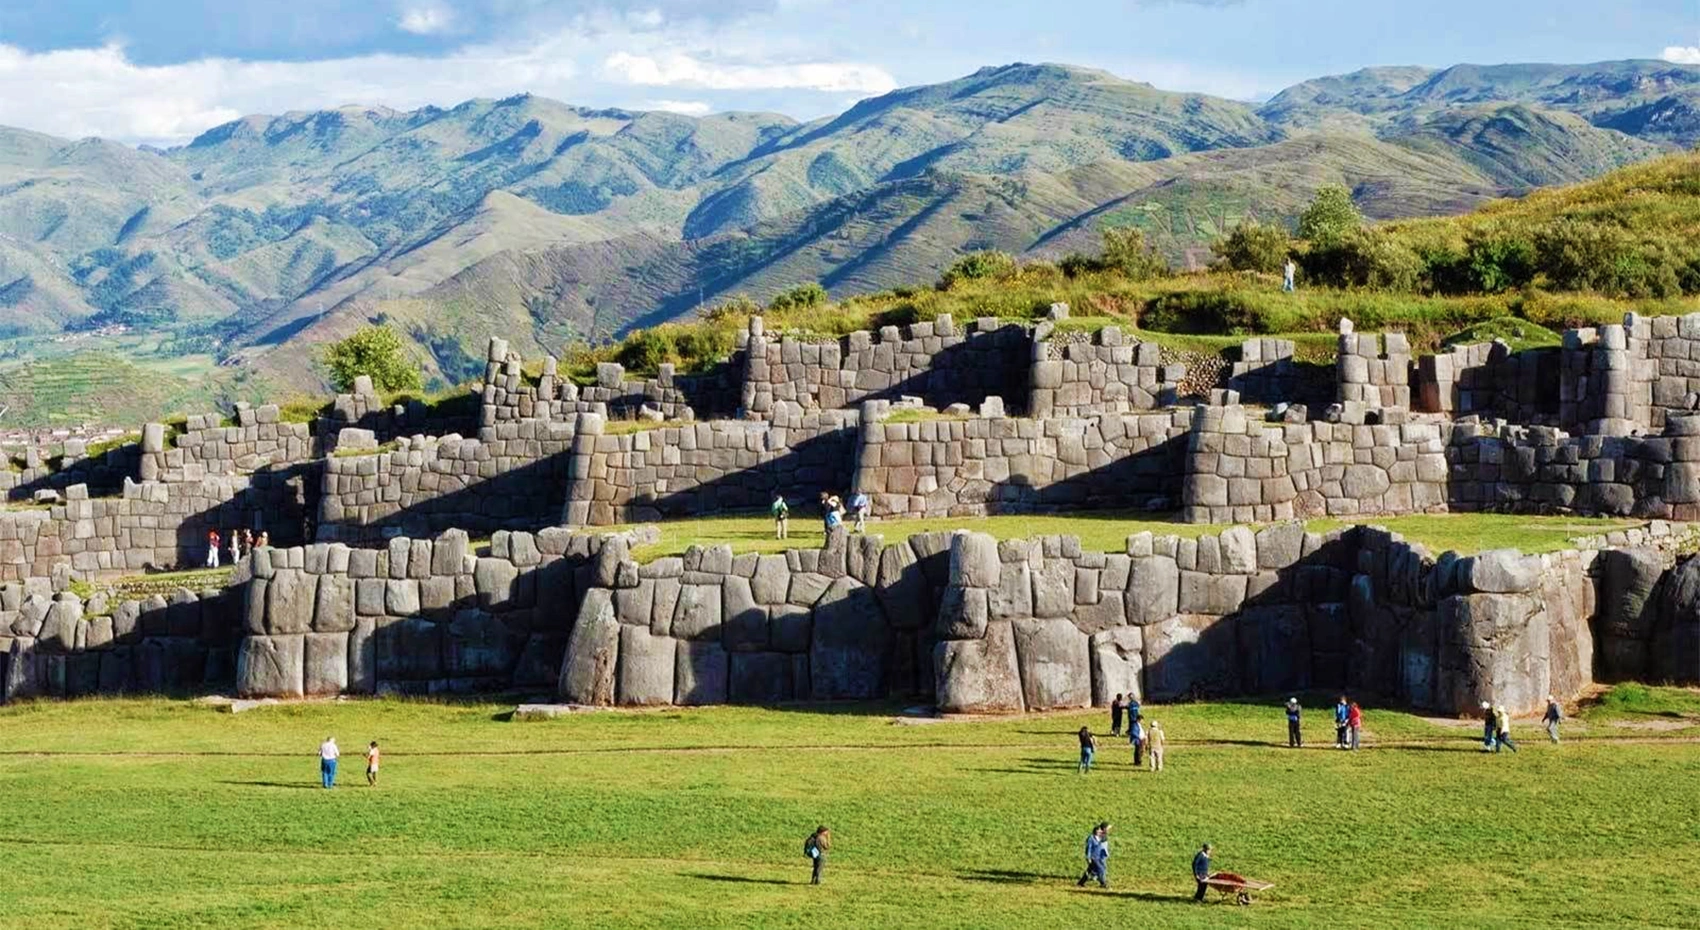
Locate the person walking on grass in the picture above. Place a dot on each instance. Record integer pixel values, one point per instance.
(1295, 740)
(1097, 857)
(1553, 715)
(1490, 727)
(1136, 736)
(1287, 272)
(815, 847)
(1342, 710)
(1116, 708)
(781, 517)
(372, 765)
(1355, 724)
(1502, 729)
(859, 507)
(212, 548)
(1154, 746)
(328, 754)
(1088, 747)
(1201, 871)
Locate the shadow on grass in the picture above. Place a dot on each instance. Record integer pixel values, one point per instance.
(1153, 897)
(275, 784)
(1007, 877)
(740, 879)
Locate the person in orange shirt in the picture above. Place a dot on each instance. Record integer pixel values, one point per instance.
(372, 765)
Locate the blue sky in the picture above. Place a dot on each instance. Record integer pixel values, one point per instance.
(162, 70)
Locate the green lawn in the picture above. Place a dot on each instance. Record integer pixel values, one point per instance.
(1108, 531)
(139, 813)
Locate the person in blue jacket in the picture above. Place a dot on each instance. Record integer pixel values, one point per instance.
(1342, 710)
(1097, 857)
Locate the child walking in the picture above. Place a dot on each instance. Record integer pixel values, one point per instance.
(372, 765)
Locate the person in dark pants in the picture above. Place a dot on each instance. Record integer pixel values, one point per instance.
(1136, 736)
(816, 847)
(1097, 857)
(1295, 739)
(1489, 729)
(1116, 707)
(1201, 871)
(1341, 709)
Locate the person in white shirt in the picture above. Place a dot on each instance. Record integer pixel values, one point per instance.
(328, 754)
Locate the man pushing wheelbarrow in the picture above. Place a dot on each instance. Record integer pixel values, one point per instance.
(1227, 883)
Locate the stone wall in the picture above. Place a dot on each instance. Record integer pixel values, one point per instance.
(58, 646)
(1370, 376)
(708, 467)
(668, 395)
(56, 467)
(1488, 379)
(206, 448)
(935, 361)
(1108, 373)
(981, 465)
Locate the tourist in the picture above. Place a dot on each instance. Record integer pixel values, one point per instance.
(1201, 870)
(1116, 707)
(212, 548)
(1131, 708)
(1295, 740)
(1355, 723)
(1287, 272)
(1341, 711)
(859, 507)
(816, 847)
(1097, 857)
(1502, 729)
(328, 755)
(781, 517)
(1154, 746)
(248, 541)
(372, 765)
(235, 547)
(1136, 736)
(264, 541)
(1088, 746)
(1553, 715)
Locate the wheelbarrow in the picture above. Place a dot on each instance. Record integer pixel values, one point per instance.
(1240, 887)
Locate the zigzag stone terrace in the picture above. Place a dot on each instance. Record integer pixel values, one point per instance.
(371, 583)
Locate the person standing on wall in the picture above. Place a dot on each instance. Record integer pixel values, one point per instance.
(1116, 708)
(1097, 857)
(212, 548)
(1355, 723)
(1154, 746)
(328, 754)
(1341, 711)
(1201, 871)
(815, 847)
(1553, 715)
(1295, 739)
(1088, 748)
(781, 516)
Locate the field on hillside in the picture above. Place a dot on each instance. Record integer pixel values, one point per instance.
(153, 813)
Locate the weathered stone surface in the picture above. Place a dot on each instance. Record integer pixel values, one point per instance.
(963, 613)
(851, 639)
(290, 597)
(59, 628)
(1280, 545)
(363, 657)
(1676, 645)
(974, 560)
(979, 676)
(807, 588)
(791, 628)
(1494, 647)
(1053, 589)
(1055, 664)
(1274, 649)
(902, 588)
(1628, 613)
(772, 580)
(1117, 661)
(448, 551)
(271, 666)
(1190, 655)
(700, 673)
(744, 623)
(697, 615)
(646, 667)
(1501, 571)
(760, 678)
(1153, 589)
(333, 610)
(1238, 548)
(588, 671)
(325, 670)
(494, 579)
(479, 645)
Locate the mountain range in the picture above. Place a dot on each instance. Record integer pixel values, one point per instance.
(544, 222)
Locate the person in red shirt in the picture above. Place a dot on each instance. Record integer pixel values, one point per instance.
(212, 548)
(1354, 723)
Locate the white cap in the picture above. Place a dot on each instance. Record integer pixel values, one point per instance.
(1486, 706)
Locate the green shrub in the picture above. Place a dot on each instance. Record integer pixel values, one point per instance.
(1075, 265)
(987, 264)
(801, 297)
(1499, 261)
(377, 352)
(1331, 217)
(1364, 258)
(1254, 247)
(646, 350)
(1125, 251)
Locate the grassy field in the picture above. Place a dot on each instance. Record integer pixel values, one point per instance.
(151, 813)
(1108, 531)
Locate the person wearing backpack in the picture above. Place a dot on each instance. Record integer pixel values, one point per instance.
(816, 847)
(781, 517)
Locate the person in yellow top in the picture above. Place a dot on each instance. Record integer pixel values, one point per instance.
(1154, 746)
(372, 765)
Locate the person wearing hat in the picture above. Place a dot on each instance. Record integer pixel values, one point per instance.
(1097, 856)
(1490, 728)
(1294, 739)
(1154, 746)
(1553, 715)
(1201, 871)
(1502, 729)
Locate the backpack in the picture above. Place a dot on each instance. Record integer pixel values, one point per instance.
(811, 849)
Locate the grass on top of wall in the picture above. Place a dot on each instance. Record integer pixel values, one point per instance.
(1107, 531)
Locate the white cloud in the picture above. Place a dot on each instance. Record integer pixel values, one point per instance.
(1682, 55)
(685, 107)
(686, 71)
(425, 20)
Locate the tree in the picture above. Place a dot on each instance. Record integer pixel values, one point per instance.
(376, 352)
(976, 266)
(1254, 247)
(1330, 217)
(1125, 251)
(801, 297)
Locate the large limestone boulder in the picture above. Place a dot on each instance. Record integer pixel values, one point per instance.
(1676, 646)
(480, 646)
(700, 673)
(979, 676)
(325, 669)
(851, 640)
(1153, 589)
(760, 678)
(1191, 655)
(1055, 664)
(903, 590)
(1274, 648)
(1117, 661)
(290, 597)
(409, 650)
(1493, 647)
(333, 611)
(646, 670)
(593, 649)
(271, 666)
(1627, 612)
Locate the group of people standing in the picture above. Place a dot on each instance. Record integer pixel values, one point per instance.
(1146, 739)
(834, 512)
(329, 754)
(240, 542)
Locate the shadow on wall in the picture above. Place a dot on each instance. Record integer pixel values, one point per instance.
(527, 497)
(1149, 480)
(281, 501)
(104, 474)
